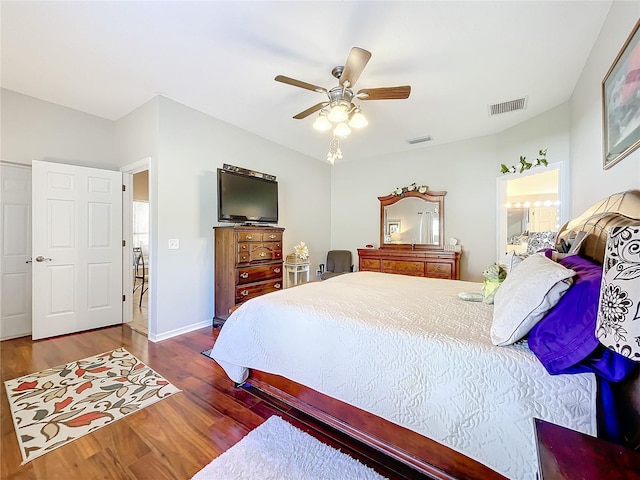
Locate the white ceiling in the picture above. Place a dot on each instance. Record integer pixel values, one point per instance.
(108, 58)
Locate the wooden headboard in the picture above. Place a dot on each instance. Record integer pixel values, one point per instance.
(619, 209)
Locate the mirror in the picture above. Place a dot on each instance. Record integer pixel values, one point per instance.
(412, 221)
(528, 204)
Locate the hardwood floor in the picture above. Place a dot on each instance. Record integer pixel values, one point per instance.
(172, 439)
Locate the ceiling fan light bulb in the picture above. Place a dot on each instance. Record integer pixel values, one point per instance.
(322, 123)
(338, 113)
(342, 130)
(358, 120)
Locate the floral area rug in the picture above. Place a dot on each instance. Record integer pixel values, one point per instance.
(56, 406)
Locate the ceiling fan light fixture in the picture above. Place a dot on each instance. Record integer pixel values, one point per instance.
(342, 130)
(338, 113)
(358, 120)
(335, 153)
(322, 123)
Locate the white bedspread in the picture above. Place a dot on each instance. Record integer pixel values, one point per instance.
(409, 350)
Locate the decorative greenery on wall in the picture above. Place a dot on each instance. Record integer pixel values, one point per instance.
(524, 165)
(400, 191)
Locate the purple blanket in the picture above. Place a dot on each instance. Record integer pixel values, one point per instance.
(565, 341)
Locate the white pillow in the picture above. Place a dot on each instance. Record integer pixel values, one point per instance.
(525, 296)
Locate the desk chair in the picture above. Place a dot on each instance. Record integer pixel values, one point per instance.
(140, 273)
(338, 262)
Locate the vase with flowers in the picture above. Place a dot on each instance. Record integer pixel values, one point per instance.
(300, 254)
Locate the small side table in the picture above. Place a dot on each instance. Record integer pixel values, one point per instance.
(296, 273)
(565, 454)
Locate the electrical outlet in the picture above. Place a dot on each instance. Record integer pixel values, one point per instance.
(174, 244)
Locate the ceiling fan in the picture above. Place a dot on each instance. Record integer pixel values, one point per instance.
(341, 96)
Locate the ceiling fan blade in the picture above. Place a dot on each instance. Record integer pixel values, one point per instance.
(384, 93)
(309, 111)
(301, 84)
(357, 60)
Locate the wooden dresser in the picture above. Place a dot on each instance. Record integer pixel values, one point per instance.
(419, 263)
(248, 263)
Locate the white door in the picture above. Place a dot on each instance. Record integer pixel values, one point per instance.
(77, 248)
(544, 219)
(15, 248)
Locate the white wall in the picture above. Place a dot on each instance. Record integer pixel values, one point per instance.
(325, 207)
(192, 146)
(186, 147)
(36, 130)
(137, 133)
(549, 130)
(137, 138)
(465, 170)
(590, 182)
(572, 132)
(468, 171)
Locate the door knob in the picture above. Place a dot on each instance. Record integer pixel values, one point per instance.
(40, 258)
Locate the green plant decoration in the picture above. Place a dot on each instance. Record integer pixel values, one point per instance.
(524, 165)
(400, 191)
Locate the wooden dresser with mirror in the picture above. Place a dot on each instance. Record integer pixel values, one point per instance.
(411, 238)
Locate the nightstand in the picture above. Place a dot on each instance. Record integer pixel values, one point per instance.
(296, 273)
(564, 454)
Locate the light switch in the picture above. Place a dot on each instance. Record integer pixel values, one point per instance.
(174, 244)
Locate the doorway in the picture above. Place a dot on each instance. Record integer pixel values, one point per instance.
(138, 237)
(140, 227)
(528, 203)
(15, 250)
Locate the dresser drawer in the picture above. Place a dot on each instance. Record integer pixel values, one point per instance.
(439, 270)
(419, 263)
(265, 251)
(259, 252)
(370, 264)
(272, 237)
(259, 236)
(403, 267)
(258, 274)
(246, 292)
(249, 236)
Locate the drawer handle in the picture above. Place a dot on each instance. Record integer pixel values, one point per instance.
(276, 270)
(249, 237)
(244, 293)
(244, 275)
(262, 254)
(277, 285)
(272, 236)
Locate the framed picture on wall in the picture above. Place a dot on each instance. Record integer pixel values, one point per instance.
(621, 102)
(394, 226)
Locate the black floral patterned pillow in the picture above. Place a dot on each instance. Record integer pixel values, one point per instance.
(540, 240)
(618, 323)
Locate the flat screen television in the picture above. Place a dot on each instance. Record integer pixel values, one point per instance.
(246, 198)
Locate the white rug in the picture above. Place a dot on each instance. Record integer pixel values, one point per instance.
(276, 450)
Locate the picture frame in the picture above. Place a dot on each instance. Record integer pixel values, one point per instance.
(621, 102)
(394, 226)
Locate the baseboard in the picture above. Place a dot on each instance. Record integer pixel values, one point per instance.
(179, 331)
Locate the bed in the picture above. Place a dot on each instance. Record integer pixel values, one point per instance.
(405, 365)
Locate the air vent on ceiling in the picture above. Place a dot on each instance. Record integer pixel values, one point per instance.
(426, 138)
(510, 106)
